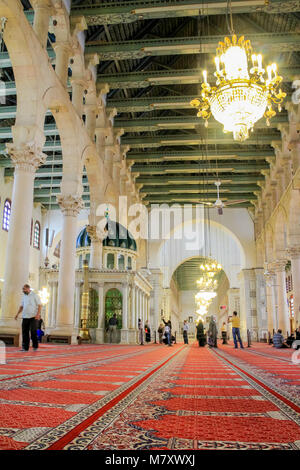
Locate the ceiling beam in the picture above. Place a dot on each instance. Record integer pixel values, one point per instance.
(196, 139)
(172, 77)
(122, 50)
(200, 167)
(138, 10)
(237, 178)
(157, 156)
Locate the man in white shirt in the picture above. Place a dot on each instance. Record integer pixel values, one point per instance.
(185, 332)
(30, 307)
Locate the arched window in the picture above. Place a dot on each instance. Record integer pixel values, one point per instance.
(6, 214)
(36, 235)
(121, 262)
(129, 263)
(110, 261)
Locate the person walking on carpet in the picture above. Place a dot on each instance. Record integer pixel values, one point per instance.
(200, 334)
(235, 323)
(141, 332)
(30, 307)
(185, 332)
(212, 333)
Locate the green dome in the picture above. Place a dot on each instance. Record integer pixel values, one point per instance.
(118, 236)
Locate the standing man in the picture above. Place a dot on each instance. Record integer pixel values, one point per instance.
(141, 332)
(112, 328)
(30, 307)
(235, 323)
(224, 333)
(185, 332)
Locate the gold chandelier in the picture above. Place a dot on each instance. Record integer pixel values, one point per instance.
(241, 97)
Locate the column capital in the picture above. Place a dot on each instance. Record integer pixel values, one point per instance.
(28, 157)
(94, 234)
(70, 204)
(293, 252)
(278, 265)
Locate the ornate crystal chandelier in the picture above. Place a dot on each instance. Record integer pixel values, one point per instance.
(241, 96)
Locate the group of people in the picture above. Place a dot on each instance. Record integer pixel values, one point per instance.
(280, 342)
(165, 333)
(212, 334)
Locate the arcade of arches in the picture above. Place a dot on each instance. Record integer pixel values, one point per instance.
(74, 146)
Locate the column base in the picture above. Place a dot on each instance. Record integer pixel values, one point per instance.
(100, 336)
(10, 326)
(132, 336)
(64, 331)
(124, 336)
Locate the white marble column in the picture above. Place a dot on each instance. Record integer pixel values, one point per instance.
(283, 312)
(49, 316)
(70, 206)
(124, 331)
(294, 255)
(271, 302)
(77, 306)
(133, 307)
(54, 306)
(26, 160)
(101, 313)
(96, 248)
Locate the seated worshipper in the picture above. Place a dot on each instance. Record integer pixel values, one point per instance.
(278, 340)
(290, 340)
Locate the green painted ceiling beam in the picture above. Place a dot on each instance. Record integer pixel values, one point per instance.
(202, 196)
(9, 112)
(194, 179)
(49, 129)
(194, 139)
(240, 154)
(43, 172)
(200, 167)
(129, 11)
(183, 122)
(137, 49)
(41, 182)
(47, 191)
(192, 188)
(48, 147)
(170, 77)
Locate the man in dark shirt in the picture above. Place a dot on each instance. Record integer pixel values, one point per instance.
(112, 328)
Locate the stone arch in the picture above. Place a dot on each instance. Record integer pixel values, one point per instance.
(26, 68)
(293, 222)
(71, 143)
(225, 248)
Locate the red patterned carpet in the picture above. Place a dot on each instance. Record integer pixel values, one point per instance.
(151, 397)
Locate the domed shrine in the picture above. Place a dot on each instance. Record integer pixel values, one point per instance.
(116, 286)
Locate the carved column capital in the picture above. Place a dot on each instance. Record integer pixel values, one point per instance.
(28, 157)
(278, 265)
(293, 252)
(70, 204)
